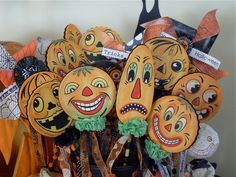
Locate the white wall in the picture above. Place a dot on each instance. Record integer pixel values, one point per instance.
(23, 21)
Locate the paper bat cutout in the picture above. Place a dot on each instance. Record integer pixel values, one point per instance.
(147, 16)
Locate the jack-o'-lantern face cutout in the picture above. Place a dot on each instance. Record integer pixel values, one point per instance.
(173, 124)
(63, 56)
(44, 111)
(87, 92)
(171, 62)
(136, 88)
(203, 92)
(92, 42)
(30, 84)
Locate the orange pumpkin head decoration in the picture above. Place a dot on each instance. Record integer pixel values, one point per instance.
(203, 92)
(92, 42)
(44, 111)
(136, 88)
(30, 84)
(63, 56)
(171, 61)
(87, 92)
(173, 124)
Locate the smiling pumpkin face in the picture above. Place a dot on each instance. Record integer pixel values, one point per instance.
(30, 84)
(136, 88)
(63, 56)
(87, 92)
(171, 62)
(203, 92)
(173, 124)
(92, 42)
(44, 111)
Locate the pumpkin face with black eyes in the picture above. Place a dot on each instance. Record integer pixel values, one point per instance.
(92, 42)
(44, 110)
(30, 84)
(203, 92)
(87, 92)
(172, 124)
(63, 56)
(171, 62)
(136, 88)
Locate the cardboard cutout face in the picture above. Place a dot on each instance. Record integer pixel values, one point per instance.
(63, 56)
(173, 124)
(87, 92)
(171, 61)
(44, 111)
(136, 88)
(30, 84)
(206, 144)
(92, 42)
(203, 92)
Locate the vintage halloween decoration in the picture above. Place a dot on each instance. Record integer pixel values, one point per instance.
(87, 92)
(172, 124)
(206, 144)
(62, 57)
(203, 92)
(136, 88)
(92, 42)
(171, 62)
(44, 111)
(30, 84)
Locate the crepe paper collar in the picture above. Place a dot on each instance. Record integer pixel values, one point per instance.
(154, 150)
(91, 124)
(135, 127)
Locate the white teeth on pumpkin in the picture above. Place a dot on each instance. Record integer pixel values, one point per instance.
(164, 140)
(90, 106)
(204, 111)
(200, 116)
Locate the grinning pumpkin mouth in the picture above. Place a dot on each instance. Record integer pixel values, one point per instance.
(163, 140)
(92, 56)
(160, 83)
(133, 107)
(202, 113)
(90, 107)
(61, 72)
(55, 123)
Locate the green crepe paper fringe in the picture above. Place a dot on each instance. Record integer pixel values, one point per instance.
(154, 151)
(91, 124)
(135, 127)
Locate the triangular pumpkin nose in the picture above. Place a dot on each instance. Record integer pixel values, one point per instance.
(196, 101)
(71, 67)
(136, 93)
(87, 91)
(162, 69)
(168, 127)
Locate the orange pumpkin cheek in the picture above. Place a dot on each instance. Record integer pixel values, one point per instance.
(173, 124)
(44, 111)
(203, 92)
